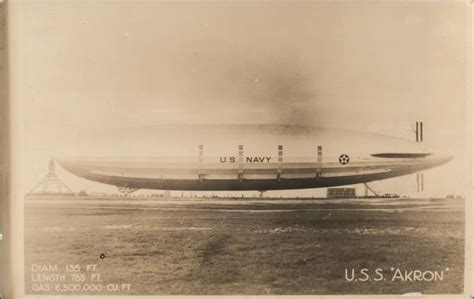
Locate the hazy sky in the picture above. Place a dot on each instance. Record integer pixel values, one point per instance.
(79, 66)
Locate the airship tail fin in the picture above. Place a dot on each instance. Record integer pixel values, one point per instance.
(419, 131)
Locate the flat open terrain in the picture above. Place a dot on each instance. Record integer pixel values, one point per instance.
(259, 246)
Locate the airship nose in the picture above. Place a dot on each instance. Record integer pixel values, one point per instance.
(61, 161)
(68, 164)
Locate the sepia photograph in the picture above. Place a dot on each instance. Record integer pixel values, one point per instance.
(237, 148)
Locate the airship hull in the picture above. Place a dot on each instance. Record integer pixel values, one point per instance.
(246, 157)
(271, 176)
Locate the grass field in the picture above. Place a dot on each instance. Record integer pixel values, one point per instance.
(196, 246)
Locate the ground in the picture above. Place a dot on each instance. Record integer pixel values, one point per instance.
(237, 246)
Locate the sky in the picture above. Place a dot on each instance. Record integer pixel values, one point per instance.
(82, 67)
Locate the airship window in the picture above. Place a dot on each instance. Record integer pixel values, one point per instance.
(401, 155)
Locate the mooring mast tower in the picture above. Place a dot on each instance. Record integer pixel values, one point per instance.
(51, 184)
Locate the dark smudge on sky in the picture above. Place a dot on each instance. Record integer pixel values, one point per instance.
(287, 94)
(258, 89)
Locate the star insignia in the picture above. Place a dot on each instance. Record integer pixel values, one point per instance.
(344, 159)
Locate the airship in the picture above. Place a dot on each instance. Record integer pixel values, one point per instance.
(249, 157)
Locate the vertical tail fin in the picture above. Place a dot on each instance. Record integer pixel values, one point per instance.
(419, 131)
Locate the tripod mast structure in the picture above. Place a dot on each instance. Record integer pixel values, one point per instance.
(51, 184)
